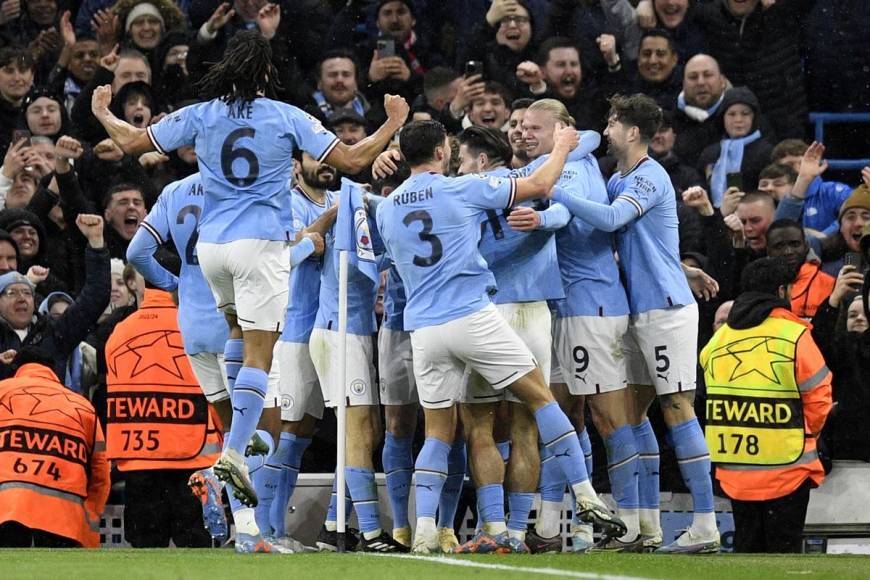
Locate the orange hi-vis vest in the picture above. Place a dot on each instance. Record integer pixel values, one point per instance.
(768, 395)
(157, 416)
(54, 475)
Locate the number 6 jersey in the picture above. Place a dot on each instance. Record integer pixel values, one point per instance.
(431, 227)
(244, 151)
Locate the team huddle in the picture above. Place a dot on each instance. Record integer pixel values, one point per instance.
(505, 303)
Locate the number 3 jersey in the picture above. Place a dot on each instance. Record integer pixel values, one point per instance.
(244, 151)
(431, 227)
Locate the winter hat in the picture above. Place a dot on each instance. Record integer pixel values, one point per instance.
(860, 197)
(143, 9)
(10, 278)
(742, 96)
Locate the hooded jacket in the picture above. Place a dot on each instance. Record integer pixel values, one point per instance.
(756, 155)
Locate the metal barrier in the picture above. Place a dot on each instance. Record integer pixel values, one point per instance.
(819, 120)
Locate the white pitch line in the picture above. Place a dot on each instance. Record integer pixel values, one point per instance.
(506, 568)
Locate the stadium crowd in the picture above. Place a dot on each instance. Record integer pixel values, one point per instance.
(734, 80)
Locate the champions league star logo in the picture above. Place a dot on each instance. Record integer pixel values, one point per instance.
(364, 249)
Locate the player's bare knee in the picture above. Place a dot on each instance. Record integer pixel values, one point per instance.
(400, 420)
(677, 407)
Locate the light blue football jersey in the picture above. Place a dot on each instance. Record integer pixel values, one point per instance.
(176, 215)
(524, 263)
(362, 293)
(649, 246)
(590, 276)
(244, 151)
(304, 297)
(431, 227)
(394, 301)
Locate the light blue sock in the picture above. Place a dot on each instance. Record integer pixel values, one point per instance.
(558, 435)
(332, 512)
(430, 472)
(693, 457)
(234, 354)
(456, 463)
(552, 482)
(504, 449)
(361, 482)
(249, 394)
(586, 446)
(398, 462)
(648, 474)
(278, 513)
(622, 466)
(266, 483)
(490, 501)
(519, 506)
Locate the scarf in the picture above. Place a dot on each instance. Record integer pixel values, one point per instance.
(730, 160)
(696, 113)
(358, 104)
(416, 66)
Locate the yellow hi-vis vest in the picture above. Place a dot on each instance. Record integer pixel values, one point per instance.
(754, 407)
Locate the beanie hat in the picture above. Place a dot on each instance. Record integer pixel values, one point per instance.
(143, 9)
(860, 197)
(11, 278)
(407, 3)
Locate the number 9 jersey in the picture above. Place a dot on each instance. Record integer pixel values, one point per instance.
(431, 227)
(244, 151)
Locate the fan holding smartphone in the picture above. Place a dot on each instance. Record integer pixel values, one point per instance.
(387, 64)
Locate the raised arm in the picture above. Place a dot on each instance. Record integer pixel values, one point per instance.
(132, 140)
(355, 158)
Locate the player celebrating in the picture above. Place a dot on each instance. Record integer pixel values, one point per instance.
(430, 225)
(590, 320)
(244, 141)
(298, 388)
(662, 339)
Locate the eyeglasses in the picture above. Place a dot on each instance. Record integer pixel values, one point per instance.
(515, 19)
(17, 293)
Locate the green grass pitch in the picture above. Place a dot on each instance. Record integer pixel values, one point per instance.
(224, 564)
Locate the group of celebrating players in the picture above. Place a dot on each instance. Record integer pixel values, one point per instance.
(504, 304)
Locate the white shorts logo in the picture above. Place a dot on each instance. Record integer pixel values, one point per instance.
(358, 387)
(286, 402)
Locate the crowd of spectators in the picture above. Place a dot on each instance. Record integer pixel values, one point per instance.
(735, 78)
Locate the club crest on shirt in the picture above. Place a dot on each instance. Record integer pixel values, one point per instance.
(358, 387)
(363, 236)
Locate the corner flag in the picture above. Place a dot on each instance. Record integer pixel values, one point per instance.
(352, 230)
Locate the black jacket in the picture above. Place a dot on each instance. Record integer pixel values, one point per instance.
(762, 51)
(60, 336)
(846, 434)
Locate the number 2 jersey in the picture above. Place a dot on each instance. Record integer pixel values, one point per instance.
(244, 151)
(431, 227)
(176, 216)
